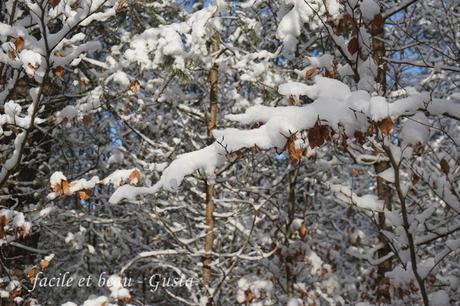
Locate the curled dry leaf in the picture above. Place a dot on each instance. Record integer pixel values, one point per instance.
(385, 126)
(63, 187)
(444, 166)
(353, 45)
(87, 119)
(332, 73)
(58, 71)
(318, 135)
(310, 72)
(360, 137)
(248, 296)
(295, 153)
(134, 86)
(54, 3)
(303, 231)
(356, 172)
(322, 272)
(121, 4)
(376, 26)
(23, 231)
(44, 264)
(19, 43)
(83, 194)
(414, 179)
(134, 177)
(32, 274)
(58, 53)
(15, 292)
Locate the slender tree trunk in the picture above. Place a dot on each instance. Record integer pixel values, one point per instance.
(289, 263)
(383, 190)
(209, 187)
(406, 224)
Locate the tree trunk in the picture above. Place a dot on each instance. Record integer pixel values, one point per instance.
(383, 190)
(209, 187)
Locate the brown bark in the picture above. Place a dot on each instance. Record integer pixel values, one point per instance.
(211, 124)
(383, 190)
(290, 277)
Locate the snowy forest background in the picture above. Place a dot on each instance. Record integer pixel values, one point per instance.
(275, 152)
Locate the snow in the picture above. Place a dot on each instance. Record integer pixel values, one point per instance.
(415, 129)
(74, 186)
(260, 288)
(334, 103)
(453, 244)
(31, 61)
(12, 109)
(368, 201)
(289, 30)
(333, 7)
(69, 238)
(83, 184)
(379, 108)
(114, 283)
(369, 8)
(67, 113)
(19, 220)
(294, 89)
(323, 61)
(400, 277)
(120, 78)
(119, 177)
(439, 298)
(6, 214)
(393, 218)
(14, 159)
(99, 301)
(294, 302)
(56, 178)
(206, 160)
(388, 175)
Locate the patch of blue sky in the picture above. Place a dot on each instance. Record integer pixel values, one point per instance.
(113, 131)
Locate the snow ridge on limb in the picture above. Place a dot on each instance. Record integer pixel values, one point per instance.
(334, 104)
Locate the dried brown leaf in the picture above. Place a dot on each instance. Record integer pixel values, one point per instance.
(87, 119)
(135, 86)
(43, 264)
(303, 231)
(32, 274)
(353, 45)
(295, 153)
(360, 137)
(134, 177)
(58, 71)
(385, 126)
(376, 26)
(54, 3)
(356, 172)
(318, 135)
(19, 43)
(248, 296)
(65, 186)
(83, 194)
(309, 73)
(444, 166)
